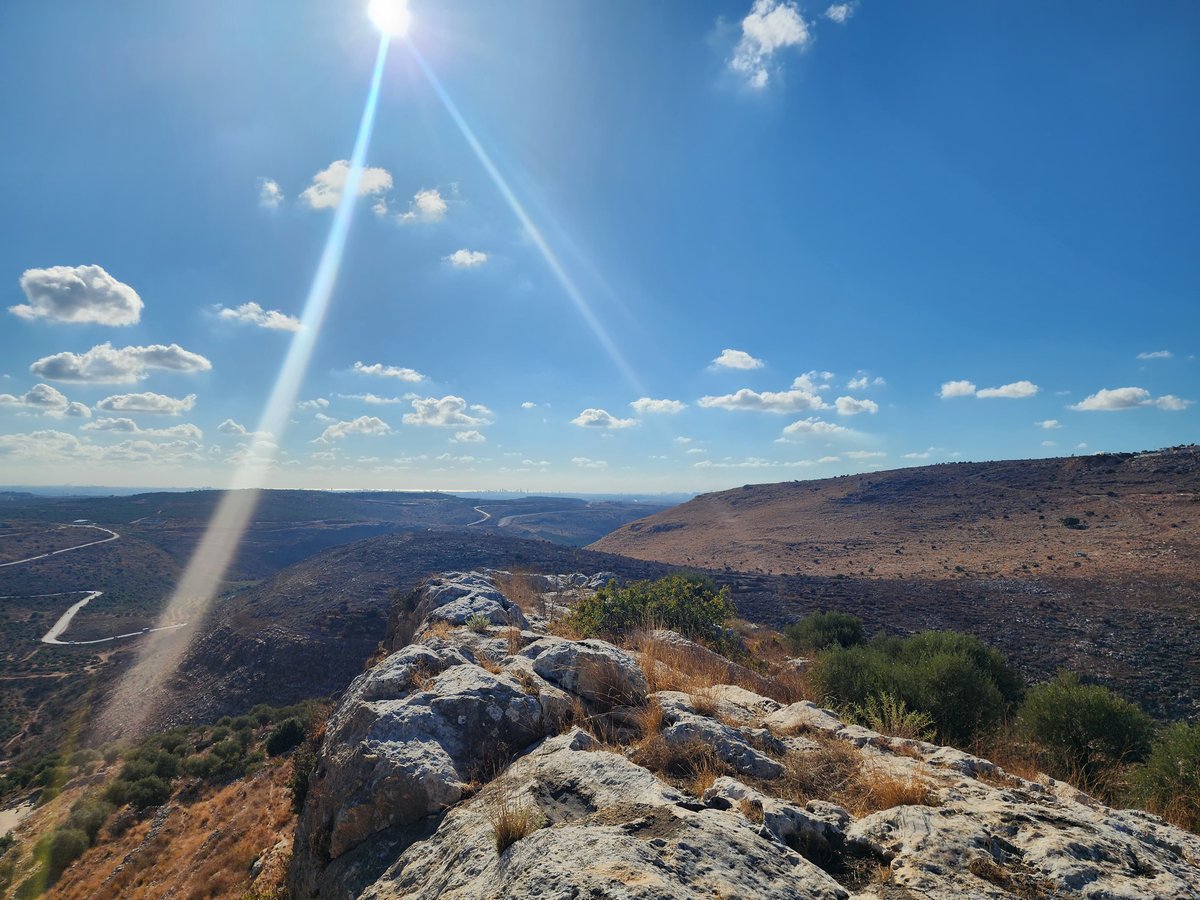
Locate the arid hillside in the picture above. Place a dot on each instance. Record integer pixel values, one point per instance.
(1093, 517)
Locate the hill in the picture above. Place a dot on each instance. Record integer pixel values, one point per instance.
(1127, 515)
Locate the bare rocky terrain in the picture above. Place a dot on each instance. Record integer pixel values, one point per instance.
(506, 761)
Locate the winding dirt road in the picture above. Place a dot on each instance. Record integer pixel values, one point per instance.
(64, 621)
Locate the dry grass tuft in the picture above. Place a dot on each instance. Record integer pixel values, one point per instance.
(529, 682)
(520, 589)
(511, 817)
(877, 790)
(515, 643)
(438, 628)
(752, 810)
(1023, 885)
(649, 719)
(706, 703)
(490, 665)
(691, 767)
(422, 678)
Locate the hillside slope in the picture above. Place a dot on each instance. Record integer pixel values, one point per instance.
(1111, 515)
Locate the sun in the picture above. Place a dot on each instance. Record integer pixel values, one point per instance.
(390, 16)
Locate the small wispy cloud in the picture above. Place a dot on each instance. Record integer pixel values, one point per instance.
(466, 259)
(427, 205)
(736, 359)
(1155, 354)
(253, 314)
(379, 370)
(270, 194)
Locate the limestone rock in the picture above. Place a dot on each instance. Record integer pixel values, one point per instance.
(595, 670)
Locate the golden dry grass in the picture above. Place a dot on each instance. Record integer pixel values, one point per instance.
(490, 665)
(203, 851)
(438, 628)
(510, 816)
(519, 588)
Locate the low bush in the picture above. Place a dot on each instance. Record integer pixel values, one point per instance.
(890, 715)
(683, 602)
(287, 735)
(1084, 729)
(61, 848)
(822, 630)
(479, 623)
(962, 684)
(1169, 783)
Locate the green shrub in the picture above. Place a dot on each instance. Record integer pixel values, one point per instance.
(1169, 782)
(890, 715)
(683, 602)
(149, 791)
(1084, 728)
(287, 735)
(479, 623)
(89, 816)
(61, 848)
(956, 679)
(824, 629)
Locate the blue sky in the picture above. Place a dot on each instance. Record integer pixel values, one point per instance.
(811, 240)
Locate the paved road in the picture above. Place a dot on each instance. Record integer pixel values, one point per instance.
(483, 512)
(112, 536)
(64, 621)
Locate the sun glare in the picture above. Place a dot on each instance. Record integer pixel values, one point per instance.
(390, 16)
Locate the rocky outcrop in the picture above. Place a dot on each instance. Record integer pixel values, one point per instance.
(457, 767)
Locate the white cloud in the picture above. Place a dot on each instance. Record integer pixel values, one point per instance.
(863, 381)
(957, 389)
(683, 440)
(768, 401)
(381, 371)
(850, 406)
(599, 418)
(466, 259)
(253, 314)
(1155, 354)
(77, 294)
(468, 437)
(528, 404)
(104, 364)
(229, 426)
(770, 26)
(1016, 391)
(753, 462)
(648, 406)
(48, 401)
(123, 425)
(864, 454)
(812, 382)
(737, 359)
(56, 446)
(447, 412)
(695, 451)
(1048, 424)
(813, 426)
(585, 463)
(841, 12)
(325, 192)
(270, 195)
(924, 454)
(1106, 400)
(318, 403)
(377, 400)
(361, 425)
(427, 205)
(147, 402)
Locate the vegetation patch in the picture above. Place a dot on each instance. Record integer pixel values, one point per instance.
(684, 602)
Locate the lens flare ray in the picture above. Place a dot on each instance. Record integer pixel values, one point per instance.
(131, 702)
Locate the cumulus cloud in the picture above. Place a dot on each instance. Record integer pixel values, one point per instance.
(812, 381)
(862, 381)
(325, 192)
(104, 364)
(466, 259)
(770, 26)
(737, 359)
(1015, 391)
(270, 195)
(1111, 400)
(124, 425)
(468, 437)
(447, 412)
(376, 400)
(586, 463)
(599, 418)
(528, 404)
(147, 402)
(1048, 424)
(1155, 354)
(427, 205)
(813, 426)
(229, 426)
(923, 454)
(795, 400)
(957, 389)
(48, 401)
(361, 425)
(379, 370)
(47, 446)
(753, 462)
(315, 404)
(841, 12)
(864, 454)
(683, 440)
(253, 314)
(77, 294)
(849, 406)
(649, 406)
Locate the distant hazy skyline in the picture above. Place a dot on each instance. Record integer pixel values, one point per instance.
(722, 242)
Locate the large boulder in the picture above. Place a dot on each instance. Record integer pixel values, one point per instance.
(594, 670)
(601, 826)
